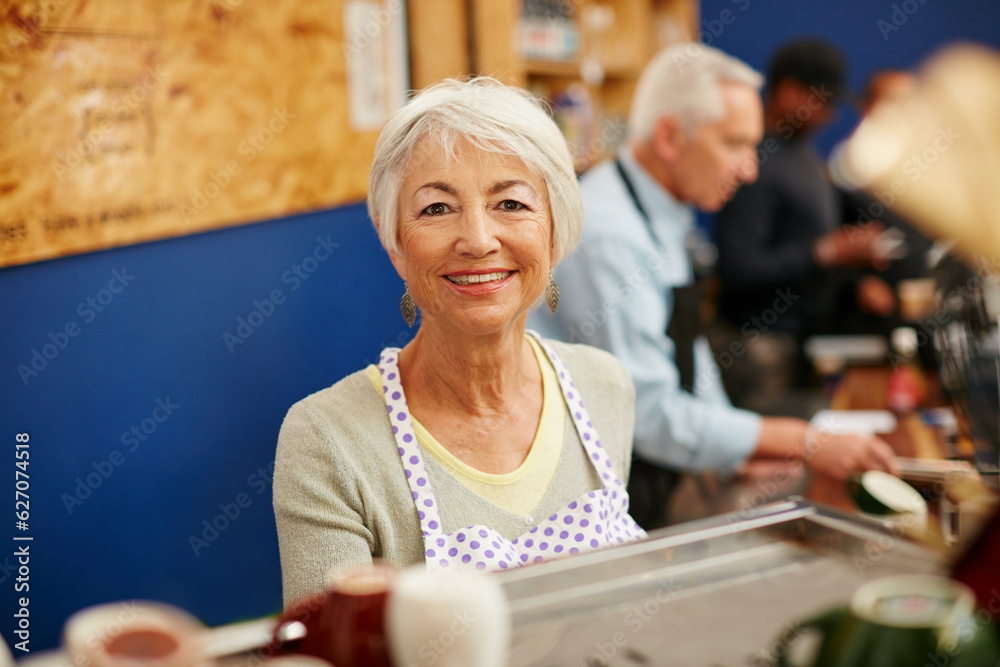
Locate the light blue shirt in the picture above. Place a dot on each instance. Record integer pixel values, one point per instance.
(616, 294)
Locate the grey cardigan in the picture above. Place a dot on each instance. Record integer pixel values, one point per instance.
(340, 495)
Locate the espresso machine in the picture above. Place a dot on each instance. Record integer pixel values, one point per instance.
(967, 342)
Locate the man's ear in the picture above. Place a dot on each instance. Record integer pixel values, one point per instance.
(668, 138)
(398, 262)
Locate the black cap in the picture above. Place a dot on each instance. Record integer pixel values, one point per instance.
(812, 62)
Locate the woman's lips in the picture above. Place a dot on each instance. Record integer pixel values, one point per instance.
(480, 283)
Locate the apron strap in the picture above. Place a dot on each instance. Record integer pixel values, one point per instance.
(581, 418)
(406, 443)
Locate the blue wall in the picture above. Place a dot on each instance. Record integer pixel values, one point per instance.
(112, 512)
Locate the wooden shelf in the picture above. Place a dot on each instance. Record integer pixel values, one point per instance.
(571, 69)
(638, 29)
(552, 68)
(487, 30)
(455, 37)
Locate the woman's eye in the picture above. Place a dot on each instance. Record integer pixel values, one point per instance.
(435, 209)
(511, 205)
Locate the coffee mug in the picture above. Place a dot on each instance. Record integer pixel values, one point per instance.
(900, 621)
(296, 661)
(448, 619)
(878, 492)
(345, 625)
(124, 634)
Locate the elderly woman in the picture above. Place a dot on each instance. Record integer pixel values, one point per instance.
(478, 444)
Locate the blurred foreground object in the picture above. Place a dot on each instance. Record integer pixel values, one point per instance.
(345, 624)
(934, 156)
(130, 633)
(965, 336)
(449, 619)
(374, 616)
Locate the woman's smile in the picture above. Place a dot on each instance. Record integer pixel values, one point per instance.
(475, 283)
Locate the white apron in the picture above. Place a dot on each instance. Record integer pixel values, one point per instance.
(594, 520)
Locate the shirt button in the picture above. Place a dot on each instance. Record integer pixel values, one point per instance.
(528, 520)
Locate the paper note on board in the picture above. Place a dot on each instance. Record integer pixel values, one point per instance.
(374, 37)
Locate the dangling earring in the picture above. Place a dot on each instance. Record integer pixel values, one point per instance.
(552, 294)
(408, 308)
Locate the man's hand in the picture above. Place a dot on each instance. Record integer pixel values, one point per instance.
(852, 245)
(876, 296)
(834, 455)
(839, 455)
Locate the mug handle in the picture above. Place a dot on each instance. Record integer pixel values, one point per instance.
(825, 623)
(290, 628)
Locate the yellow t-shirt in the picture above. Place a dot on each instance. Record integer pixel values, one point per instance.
(518, 491)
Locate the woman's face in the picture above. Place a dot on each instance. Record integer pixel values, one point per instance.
(475, 236)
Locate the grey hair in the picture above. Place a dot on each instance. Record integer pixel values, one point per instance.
(492, 117)
(683, 81)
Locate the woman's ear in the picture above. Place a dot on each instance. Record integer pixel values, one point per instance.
(398, 261)
(668, 138)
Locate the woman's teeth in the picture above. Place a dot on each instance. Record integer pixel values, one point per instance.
(478, 278)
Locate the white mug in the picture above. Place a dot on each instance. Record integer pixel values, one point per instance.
(134, 633)
(447, 619)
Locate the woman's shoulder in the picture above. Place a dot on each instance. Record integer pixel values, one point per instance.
(352, 391)
(351, 407)
(591, 365)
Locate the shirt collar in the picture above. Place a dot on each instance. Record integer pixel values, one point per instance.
(661, 206)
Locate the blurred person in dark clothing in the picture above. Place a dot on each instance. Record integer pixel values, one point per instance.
(780, 239)
(866, 301)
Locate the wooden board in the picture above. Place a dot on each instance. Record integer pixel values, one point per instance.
(439, 47)
(127, 122)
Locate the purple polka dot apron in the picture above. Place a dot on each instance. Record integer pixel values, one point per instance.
(596, 519)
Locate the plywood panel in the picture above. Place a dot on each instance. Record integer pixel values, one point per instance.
(126, 122)
(494, 36)
(439, 47)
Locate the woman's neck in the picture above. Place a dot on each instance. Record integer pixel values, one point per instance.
(478, 375)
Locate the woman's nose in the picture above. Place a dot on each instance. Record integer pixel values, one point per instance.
(477, 236)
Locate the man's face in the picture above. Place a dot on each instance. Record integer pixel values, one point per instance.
(800, 109)
(721, 156)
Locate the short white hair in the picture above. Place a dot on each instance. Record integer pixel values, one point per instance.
(492, 117)
(683, 81)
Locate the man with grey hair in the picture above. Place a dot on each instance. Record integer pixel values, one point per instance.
(695, 124)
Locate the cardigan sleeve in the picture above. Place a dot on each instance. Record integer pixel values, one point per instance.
(317, 507)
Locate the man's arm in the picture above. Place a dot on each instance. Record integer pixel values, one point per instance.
(751, 256)
(835, 455)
